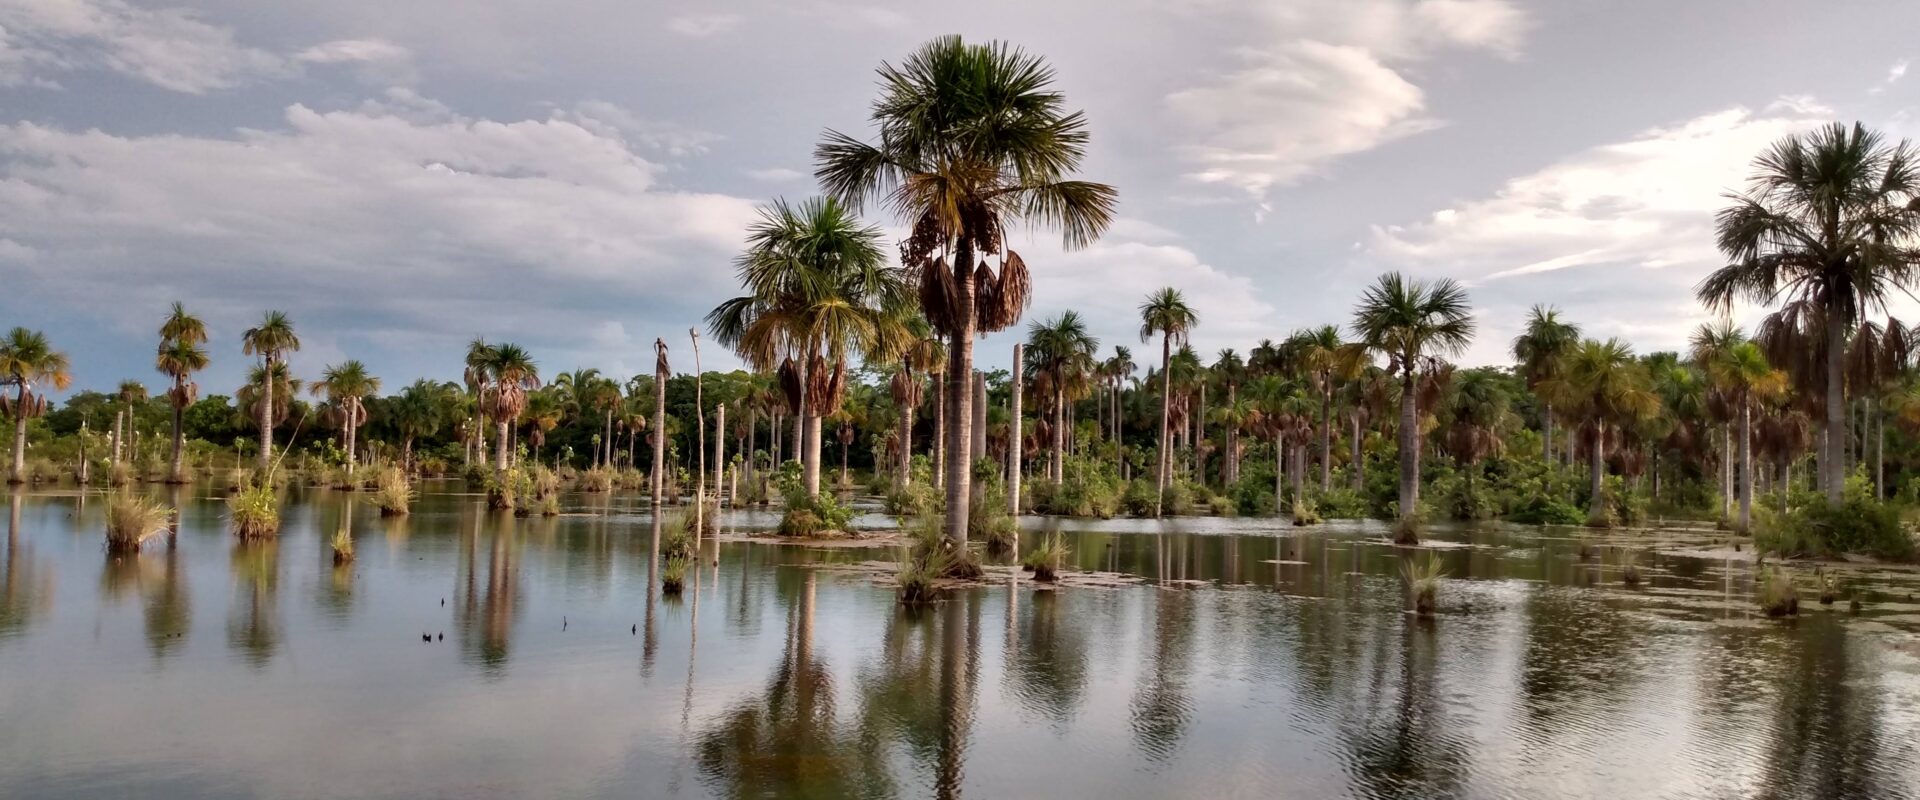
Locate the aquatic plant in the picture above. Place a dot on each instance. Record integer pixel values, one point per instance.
(1306, 512)
(1423, 582)
(544, 482)
(550, 506)
(392, 493)
(1820, 529)
(1630, 573)
(132, 520)
(1047, 560)
(1777, 594)
(342, 547)
(254, 512)
(596, 480)
(673, 576)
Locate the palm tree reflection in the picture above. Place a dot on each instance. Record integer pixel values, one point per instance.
(253, 625)
(484, 614)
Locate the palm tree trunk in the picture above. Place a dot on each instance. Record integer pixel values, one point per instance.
(1409, 457)
(1326, 435)
(1746, 464)
(1546, 433)
(1879, 426)
(960, 398)
(1279, 472)
(177, 474)
(1359, 460)
(500, 445)
(19, 473)
(264, 460)
(1833, 458)
(940, 427)
(1726, 471)
(1057, 469)
(979, 388)
(904, 455)
(1596, 466)
(606, 454)
(353, 429)
(1166, 405)
(658, 479)
(1015, 439)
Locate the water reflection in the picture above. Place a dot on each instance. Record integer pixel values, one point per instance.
(253, 622)
(1253, 661)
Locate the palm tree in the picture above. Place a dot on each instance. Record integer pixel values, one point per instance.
(972, 139)
(582, 392)
(26, 359)
(179, 356)
(543, 413)
(1413, 324)
(1740, 368)
(1118, 370)
(1328, 361)
(271, 340)
(819, 288)
(511, 374)
(1541, 349)
(1611, 389)
(347, 386)
(1166, 314)
(419, 411)
(1059, 356)
(479, 356)
(268, 396)
(1829, 219)
(1477, 411)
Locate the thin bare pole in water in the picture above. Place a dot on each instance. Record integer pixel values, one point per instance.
(699, 443)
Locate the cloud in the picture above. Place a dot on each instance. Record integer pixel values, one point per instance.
(1324, 84)
(1292, 109)
(700, 26)
(1894, 74)
(614, 121)
(775, 174)
(167, 47)
(1619, 232)
(421, 228)
(857, 16)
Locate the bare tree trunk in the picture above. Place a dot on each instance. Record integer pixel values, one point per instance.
(979, 414)
(1409, 458)
(1878, 423)
(1746, 464)
(1015, 439)
(719, 452)
(177, 473)
(659, 476)
(1359, 458)
(960, 399)
(19, 474)
(1279, 472)
(1056, 461)
(699, 441)
(353, 433)
(264, 460)
(1597, 466)
(1833, 458)
(1726, 471)
(940, 426)
(500, 445)
(1326, 435)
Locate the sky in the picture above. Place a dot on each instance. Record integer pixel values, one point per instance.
(576, 177)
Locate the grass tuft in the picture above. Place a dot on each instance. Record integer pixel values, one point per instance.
(132, 520)
(1423, 582)
(255, 513)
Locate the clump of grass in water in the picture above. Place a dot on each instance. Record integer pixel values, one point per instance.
(1406, 530)
(545, 483)
(1777, 594)
(132, 520)
(1047, 560)
(392, 493)
(255, 512)
(596, 480)
(1423, 582)
(550, 506)
(1631, 574)
(673, 576)
(1306, 512)
(927, 561)
(342, 547)
(119, 474)
(632, 480)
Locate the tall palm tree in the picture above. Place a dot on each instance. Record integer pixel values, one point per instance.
(267, 398)
(479, 356)
(1231, 371)
(1167, 315)
(1541, 349)
(1829, 219)
(1478, 409)
(972, 138)
(27, 360)
(179, 356)
(1059, 354)
(1119, 369)
(543, 413)
(1413, 324)
(1328, 360)
(512, 373)
(1612, 390)
(271, 340)
(584, 391)
(1741, 368)
(347, 385)
(819, 289)
(419, 411)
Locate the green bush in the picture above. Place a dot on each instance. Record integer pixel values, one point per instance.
(1820, 529)
(1140, 497)
(255, 512)
(1342, 504)
(809, 516)
(1545, 510)
(1091, 489)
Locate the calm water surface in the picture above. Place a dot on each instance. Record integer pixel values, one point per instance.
(1254, 660)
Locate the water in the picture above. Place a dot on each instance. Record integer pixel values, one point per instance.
(1253, 660)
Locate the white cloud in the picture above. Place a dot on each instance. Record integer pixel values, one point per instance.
(1292, 109)
(775, 174)
(614, 121)
(167, 47)
(443, 226)
(855, 15)
(1894, 74)
(347, 51)
(1644, 205)
(700, 26)
(1325, 82)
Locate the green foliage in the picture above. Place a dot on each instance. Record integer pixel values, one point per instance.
(1541, 509)
(1305, 512)
(342, 546)
(987, 516)
(1141, 496)
(809, 516)
(1091, 489)
(1252, 494)
(1820, 529)
(914, 499)
(392, 493)
(673, 576)
(254, 512)
(1342, 503)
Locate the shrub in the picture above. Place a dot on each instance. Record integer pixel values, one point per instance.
(477, 475)
(392, 493)
(912, 500)
(810, 516)
(1047, 560)
(1341, 503)
(132, 520)
(1089, 489)
(673, 576)
(1820, 529)
(987, 516)
(598, 479)
(1777, 595)
(1252, 495)
(1305, 512)
(1221, 505)
(1423, 582)
(678, 544)
(254, 512)
(550, 506)
(1179, 499)
(1140, 496)
(1541, 509)
(632, 480)
(544, 482)
(929, 559)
